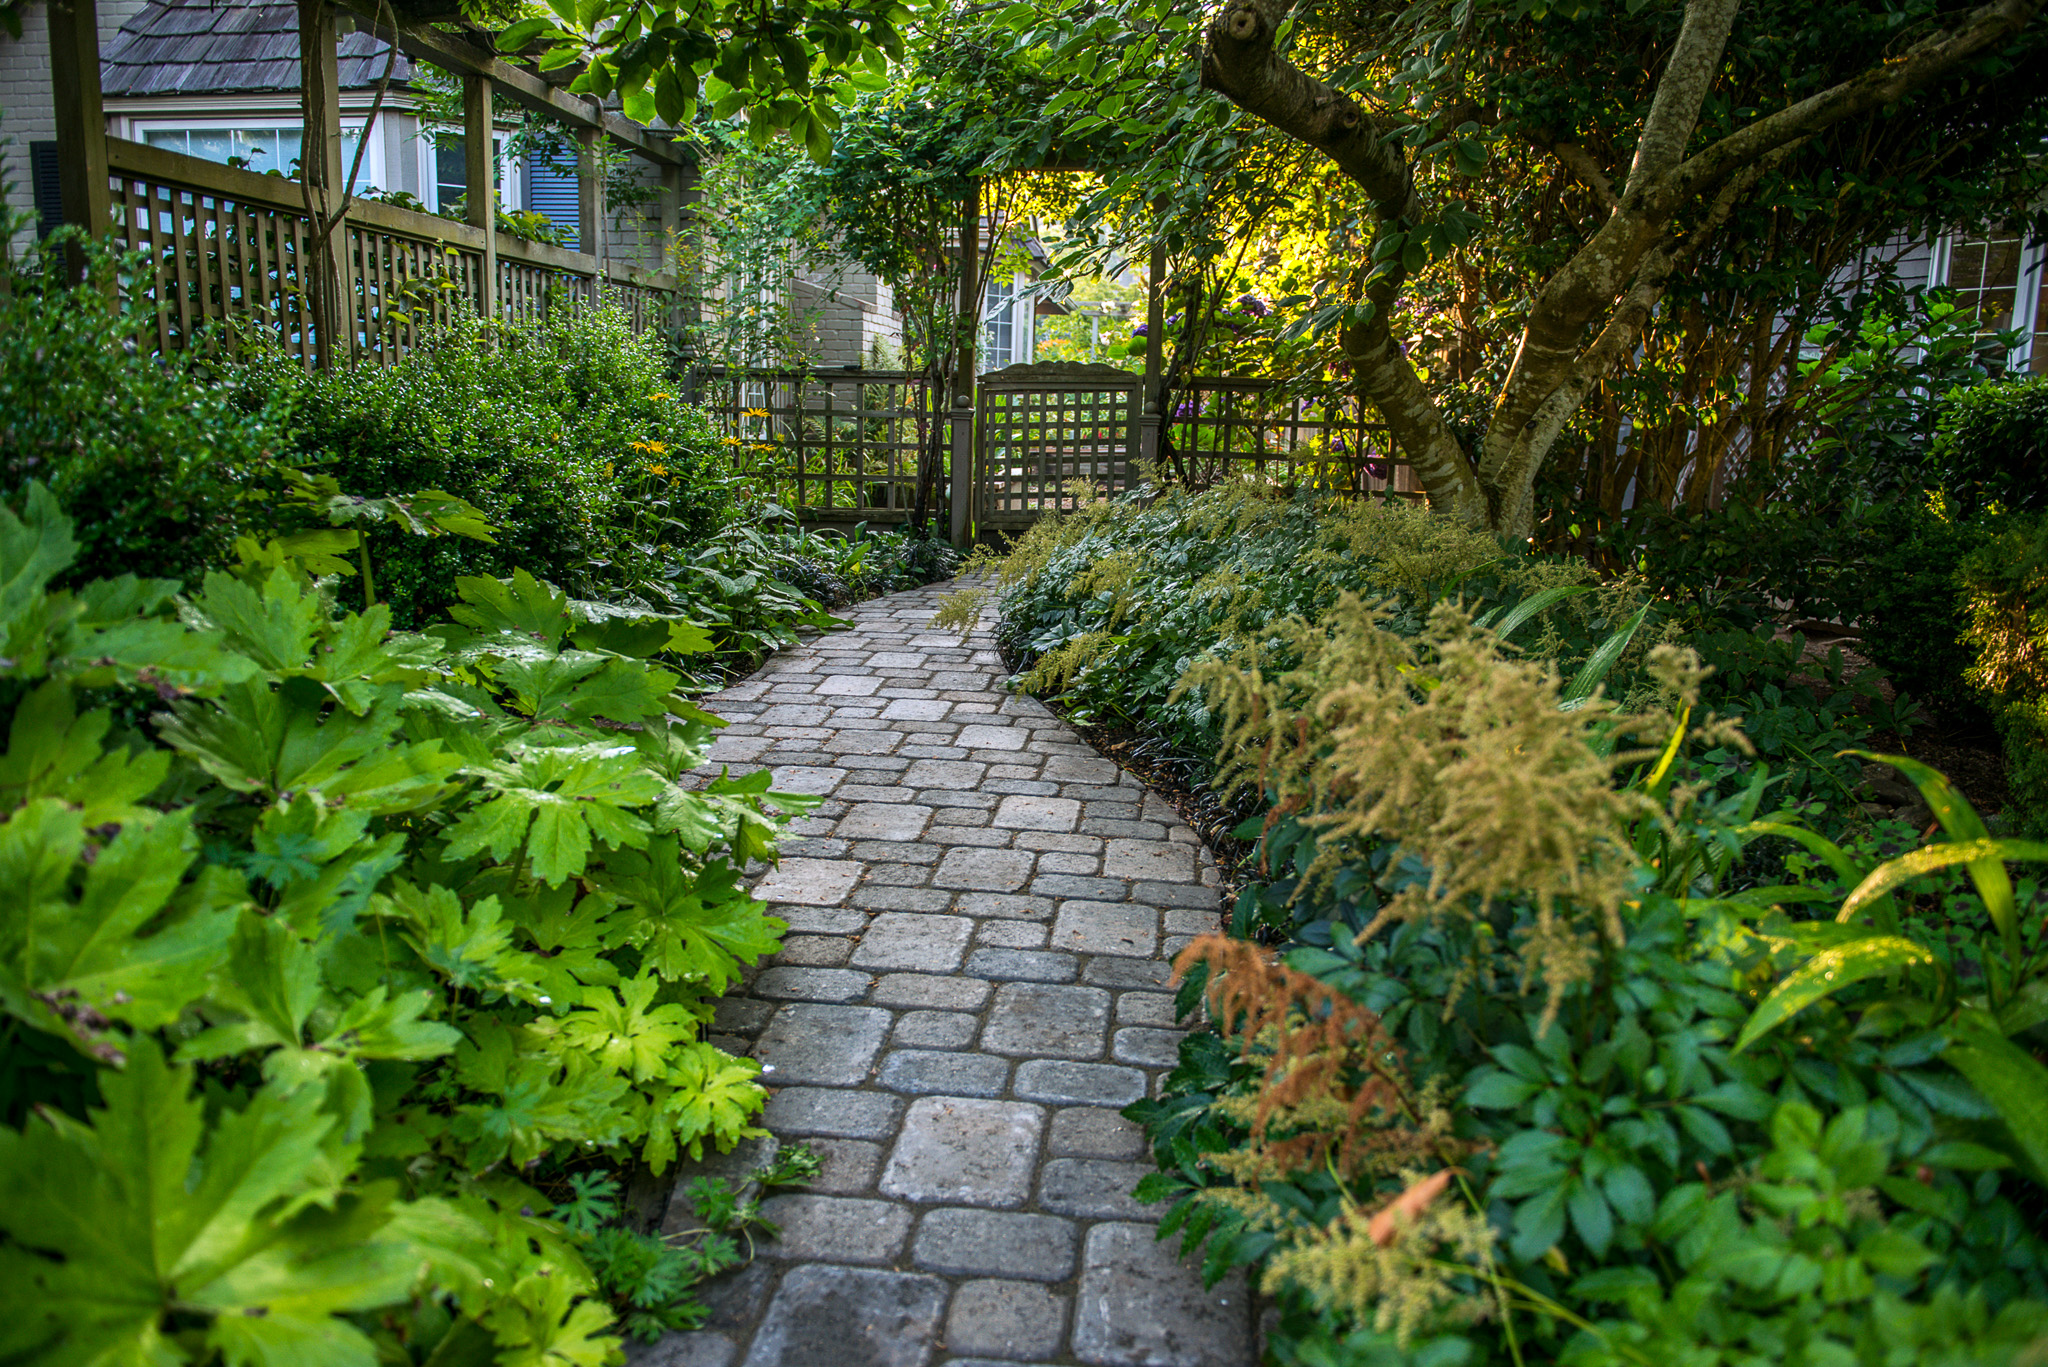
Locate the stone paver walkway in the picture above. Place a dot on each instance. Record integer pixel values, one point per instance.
(981, 917)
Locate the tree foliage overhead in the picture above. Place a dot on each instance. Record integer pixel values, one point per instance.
(1559, 179)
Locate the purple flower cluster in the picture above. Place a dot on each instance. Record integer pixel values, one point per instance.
(1255, 306)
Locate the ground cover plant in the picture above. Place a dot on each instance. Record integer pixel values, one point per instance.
(1110, 607)
(337, 958)
(1535, 1080)
(1549, 1028)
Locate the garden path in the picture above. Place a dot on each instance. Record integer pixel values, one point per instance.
(981, 917)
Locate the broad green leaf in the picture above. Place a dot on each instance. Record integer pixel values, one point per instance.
(155, 1215)
(34, 548)
(522, 33)
(697, 925)
(275, 627)
(544, 1325)
(622, 1030)
(520, 606)
(1928, 858)
(1827, 973)
(273, 741)
(469, 946)
(568, 797)
(706, 1094)
(2010, 1078)
(53, 752)
(73, 950)
(272, 978)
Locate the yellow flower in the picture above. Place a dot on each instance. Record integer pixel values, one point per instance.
(657, 398)
(730, 441)
(607, 467)
(657, 469)
(754, 412)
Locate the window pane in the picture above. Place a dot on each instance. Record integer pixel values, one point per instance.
(214, 144)
(451, 169)
(1985, 274)
(170, 138)
(259, 146)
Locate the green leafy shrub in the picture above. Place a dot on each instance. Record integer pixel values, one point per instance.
(2007, 584)
(360, 947)
(159, 465)
(1111, 605)
(1539, 1079)
(1990, 446)
(568, 434)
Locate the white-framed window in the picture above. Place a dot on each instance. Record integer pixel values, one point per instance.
(446, 169)
(999, 311)
(259, 142)
(1999, 277)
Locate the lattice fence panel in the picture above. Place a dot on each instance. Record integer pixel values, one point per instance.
(1051, 436)
(829, 445)
(1221, 428)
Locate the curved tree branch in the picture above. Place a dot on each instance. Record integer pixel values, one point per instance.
(1986, 28)
(1241, 61)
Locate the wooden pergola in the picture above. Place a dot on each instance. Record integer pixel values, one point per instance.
(232, 240)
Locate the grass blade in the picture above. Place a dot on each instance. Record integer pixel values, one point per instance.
(1530, 606)
(1959, 820)
(1928, 858)
(1846, 869)
(1829, 972)
(1602, 660)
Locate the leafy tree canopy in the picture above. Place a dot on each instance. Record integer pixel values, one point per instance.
(1553, 172)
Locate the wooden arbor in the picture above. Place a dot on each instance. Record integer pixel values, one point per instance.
(339, 278)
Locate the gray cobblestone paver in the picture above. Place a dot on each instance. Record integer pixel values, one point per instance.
(982, 913)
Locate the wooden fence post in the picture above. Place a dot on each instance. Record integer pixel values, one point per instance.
(480, 183)
(962, 416)
(1151, 403)
(321, 171)
(81, 121)
(590, 204)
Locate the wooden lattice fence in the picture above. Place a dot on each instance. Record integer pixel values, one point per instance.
(227, 245)
(829, 445)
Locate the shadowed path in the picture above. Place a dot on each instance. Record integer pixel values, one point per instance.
(981, 917)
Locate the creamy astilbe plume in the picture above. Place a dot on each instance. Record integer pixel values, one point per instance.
(1400, 1273)
(1455, 749)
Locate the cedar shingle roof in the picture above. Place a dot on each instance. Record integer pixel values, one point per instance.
(207, 47)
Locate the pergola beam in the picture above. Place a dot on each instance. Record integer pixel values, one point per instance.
(464, 58)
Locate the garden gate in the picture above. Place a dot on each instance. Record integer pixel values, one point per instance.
(1050, 435)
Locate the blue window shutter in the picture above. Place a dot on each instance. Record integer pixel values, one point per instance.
(551, 191)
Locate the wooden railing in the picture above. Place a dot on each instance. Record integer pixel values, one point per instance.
(227, 245)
